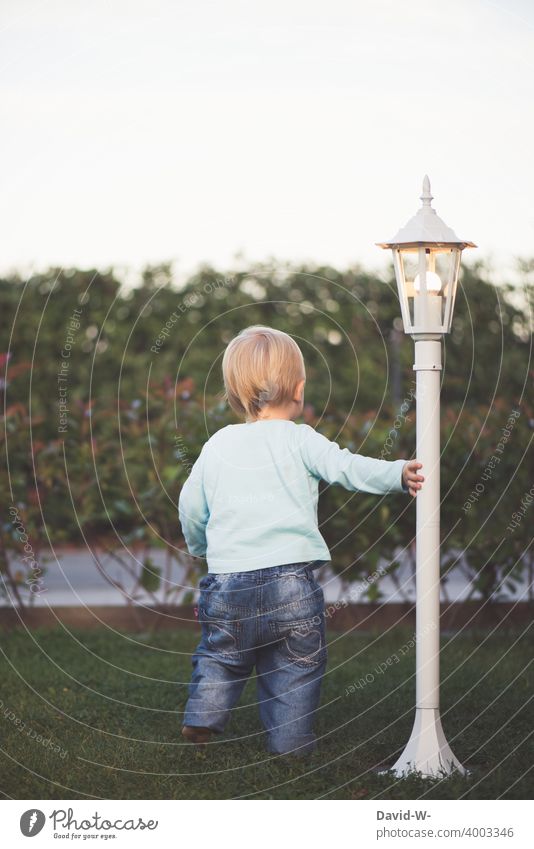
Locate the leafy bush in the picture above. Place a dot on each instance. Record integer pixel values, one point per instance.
(142, 394)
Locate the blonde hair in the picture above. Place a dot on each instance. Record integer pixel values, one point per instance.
(261, 366)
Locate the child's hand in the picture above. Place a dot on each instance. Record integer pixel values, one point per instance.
(410, 476)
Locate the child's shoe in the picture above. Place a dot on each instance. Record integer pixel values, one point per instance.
(196, 734)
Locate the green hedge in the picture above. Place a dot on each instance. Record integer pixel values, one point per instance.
(139, 374)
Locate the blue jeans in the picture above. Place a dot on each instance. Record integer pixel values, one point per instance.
(271, 619)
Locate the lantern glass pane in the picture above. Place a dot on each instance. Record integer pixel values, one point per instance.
(430, 313)
(411, 264)
(450, 279)
(444, 266)
(425, 311)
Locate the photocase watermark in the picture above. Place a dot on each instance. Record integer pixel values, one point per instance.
(355, 592)
(66, 820)
(492, 462)
(32, 822)
(181, 453)
(190, 300)
(519, 514)
(382, 667)
(238, 498)
(34, 580)
(400, 418)
(73, 325)
(22, 728)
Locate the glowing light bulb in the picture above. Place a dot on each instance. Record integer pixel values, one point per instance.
(433, 282)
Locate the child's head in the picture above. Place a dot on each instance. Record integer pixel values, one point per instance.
(263, 368)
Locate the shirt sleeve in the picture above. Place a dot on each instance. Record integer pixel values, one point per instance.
(193, 509)
(326, 460)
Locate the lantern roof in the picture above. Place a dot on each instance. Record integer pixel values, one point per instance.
(426, 228)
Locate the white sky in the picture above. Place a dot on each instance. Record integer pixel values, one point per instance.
(138, 131)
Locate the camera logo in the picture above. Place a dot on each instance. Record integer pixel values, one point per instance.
(31, 822)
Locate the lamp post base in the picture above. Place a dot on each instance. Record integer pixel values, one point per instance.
(427, 750)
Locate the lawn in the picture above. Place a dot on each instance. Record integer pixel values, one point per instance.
(111, 703)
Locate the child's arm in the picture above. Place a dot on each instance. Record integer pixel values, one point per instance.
(326, 460)
(193, 510)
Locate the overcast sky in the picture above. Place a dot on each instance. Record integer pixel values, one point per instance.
(136, 131)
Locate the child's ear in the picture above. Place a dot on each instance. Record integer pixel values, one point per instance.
(299, 389)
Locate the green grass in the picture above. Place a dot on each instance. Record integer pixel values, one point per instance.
(113, 702)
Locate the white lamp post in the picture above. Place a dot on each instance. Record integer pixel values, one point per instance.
(426, 255)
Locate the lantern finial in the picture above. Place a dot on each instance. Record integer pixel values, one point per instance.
(427, 196)
(426, 228)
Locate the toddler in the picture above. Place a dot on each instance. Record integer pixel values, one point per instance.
(250, 507)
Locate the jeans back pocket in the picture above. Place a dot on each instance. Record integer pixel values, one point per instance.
(221, 634)
(302, 641)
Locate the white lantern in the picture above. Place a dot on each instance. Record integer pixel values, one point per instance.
(426, 256)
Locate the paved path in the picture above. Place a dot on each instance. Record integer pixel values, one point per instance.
(74, 579)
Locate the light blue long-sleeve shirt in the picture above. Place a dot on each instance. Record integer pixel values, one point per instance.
(251, 498)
